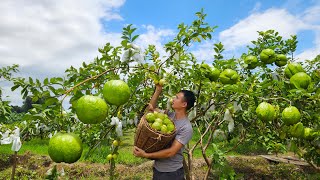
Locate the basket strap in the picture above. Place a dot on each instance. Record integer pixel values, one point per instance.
(158, 139)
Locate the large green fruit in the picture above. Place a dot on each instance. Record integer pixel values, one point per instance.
(150, 117)
(65, 147)
(91, 109)
(252, 61)
(300, 80)
(292, 69)
(211, 73)
(297, 130)
(116, 92)
(265, 112)
(214, 74)
(281, 60)
(291, 115)
(205, 70)
(309, 133)
(229, 76)
(267, 56)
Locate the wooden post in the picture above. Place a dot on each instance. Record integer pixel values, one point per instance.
(14, 165)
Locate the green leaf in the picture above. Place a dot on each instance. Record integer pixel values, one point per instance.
(15, 87)
(134, 38)
(124, 43)
(35, 98)
(46, 81)
(30, 80)
(52, 89)
(53, 80)
(59, 79)
(51, 101)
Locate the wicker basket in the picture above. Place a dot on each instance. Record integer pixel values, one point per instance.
(149, 139)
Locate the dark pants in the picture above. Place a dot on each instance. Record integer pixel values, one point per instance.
(175, 175)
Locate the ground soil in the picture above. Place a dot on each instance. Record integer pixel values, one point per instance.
(31, 166)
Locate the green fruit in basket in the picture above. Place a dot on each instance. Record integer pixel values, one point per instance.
(167, 121)
(164, 129)
(170, 127)
(157, 126)
(150, 117)
(159, 120)
(155, 114)
(161, 115)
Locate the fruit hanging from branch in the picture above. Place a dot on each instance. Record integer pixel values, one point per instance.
(65, 147)
(91, 109)
(116, 92)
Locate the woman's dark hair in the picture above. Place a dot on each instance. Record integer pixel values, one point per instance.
(189, 97)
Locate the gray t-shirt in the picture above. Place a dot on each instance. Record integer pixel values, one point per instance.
(183, 135)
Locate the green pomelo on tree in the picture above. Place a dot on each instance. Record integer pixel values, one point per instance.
(300, 80)
(214, 74)
(267, 56)
(116, 92)
(297, 130)
(65, 147)
(281, 60)
(309, 133)
(251, 61)
(265, 112)
(292, 69)
(291, 115)
(229, 76)
(91, 109)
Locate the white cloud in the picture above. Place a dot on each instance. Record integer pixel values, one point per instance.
(204, 52)
(311, 52)
(245, 31)
(46, 37)
(154, 36)
(281, 20)
(312, 15)
(48, 34)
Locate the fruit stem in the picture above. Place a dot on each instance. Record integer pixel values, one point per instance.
(266, 99)
(92, 148)
(86, 80)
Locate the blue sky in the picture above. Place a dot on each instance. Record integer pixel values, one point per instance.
(46, 37)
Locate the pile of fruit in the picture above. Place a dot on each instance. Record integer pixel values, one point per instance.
(160, 122)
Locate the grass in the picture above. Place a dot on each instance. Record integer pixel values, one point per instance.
(37, 146)
(125, 160)
(40, 146)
